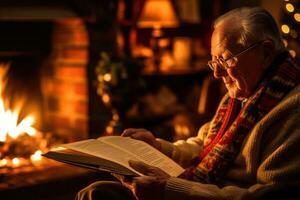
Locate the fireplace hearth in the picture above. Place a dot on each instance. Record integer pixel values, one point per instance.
(50, 79)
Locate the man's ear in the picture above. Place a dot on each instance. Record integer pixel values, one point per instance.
(269, 52)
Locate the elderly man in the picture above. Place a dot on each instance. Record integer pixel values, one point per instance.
(250, 149)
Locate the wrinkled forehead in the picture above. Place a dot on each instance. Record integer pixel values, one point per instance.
(224, 37)
(219, 42)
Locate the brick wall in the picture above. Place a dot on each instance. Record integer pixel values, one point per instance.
(65, 85)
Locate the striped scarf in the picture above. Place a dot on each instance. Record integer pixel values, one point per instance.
(231, 124)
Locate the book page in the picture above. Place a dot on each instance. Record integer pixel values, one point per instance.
(88, 161)
(145, 153)
(100, 149)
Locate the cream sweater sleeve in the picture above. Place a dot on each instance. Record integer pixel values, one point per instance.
(184, 151)
(278, 163)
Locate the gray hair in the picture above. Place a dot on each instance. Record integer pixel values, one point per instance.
(252, 25)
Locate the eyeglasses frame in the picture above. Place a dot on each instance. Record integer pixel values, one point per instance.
(210, 63)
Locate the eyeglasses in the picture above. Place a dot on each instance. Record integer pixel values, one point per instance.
(223, 64)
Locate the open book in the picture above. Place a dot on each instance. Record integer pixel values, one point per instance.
(111, 154)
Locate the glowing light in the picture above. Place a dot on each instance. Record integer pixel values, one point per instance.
(297, 17)
(293, 53)
(115, 117)
(3, 162)
(109, 129)
(36, 156)
(285, 28)
(16, 161)
(100, 78)
(105, 98)
(285, 42)
(107, 77)
(290, 7)
(183, 130)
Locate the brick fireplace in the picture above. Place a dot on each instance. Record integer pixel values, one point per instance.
(64, 81)
(52, 64)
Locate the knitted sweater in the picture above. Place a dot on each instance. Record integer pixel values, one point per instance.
(269, 157)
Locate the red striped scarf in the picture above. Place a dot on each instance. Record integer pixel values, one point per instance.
(230, 124)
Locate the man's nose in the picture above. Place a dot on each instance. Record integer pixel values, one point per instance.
(219, 72)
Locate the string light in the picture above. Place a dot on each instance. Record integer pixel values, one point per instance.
(105, 98)
(115, 117)
(109, 130)
(297, 17)
(289, 30)
(107, 77)
(285, 28)
(290, 7)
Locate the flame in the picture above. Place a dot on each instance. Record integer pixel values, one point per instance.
(3, 162)
(9, 119)
(16, 162)
(36, 156)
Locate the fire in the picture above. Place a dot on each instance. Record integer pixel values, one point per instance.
(10, 125)
(19, 140)
(16, 161)
(36, 156)
(3, 162)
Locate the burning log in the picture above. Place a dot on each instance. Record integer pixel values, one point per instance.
(23, 146)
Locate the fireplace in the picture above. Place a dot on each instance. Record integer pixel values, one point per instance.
(46, 87)
(46, 90)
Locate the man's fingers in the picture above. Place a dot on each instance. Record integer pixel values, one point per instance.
(128, 132)
(140, 167)
(139, 136)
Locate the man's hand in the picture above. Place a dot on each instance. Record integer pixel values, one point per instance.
(152, 185)
(142, 134)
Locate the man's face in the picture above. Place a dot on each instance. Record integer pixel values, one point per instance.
(244, 73)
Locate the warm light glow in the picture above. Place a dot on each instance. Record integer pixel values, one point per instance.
(182, 130)
(115, 117)
(285, 28)
(36, 156)
(16, 162)
(297, 17)
(3, 162)
(109, 129)
(289, 7)
(285, 42)
(107, 77)
(167, 61)
(105, 98)
(10, 124)
(158, 13)
(293, 53)
(100, 78)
